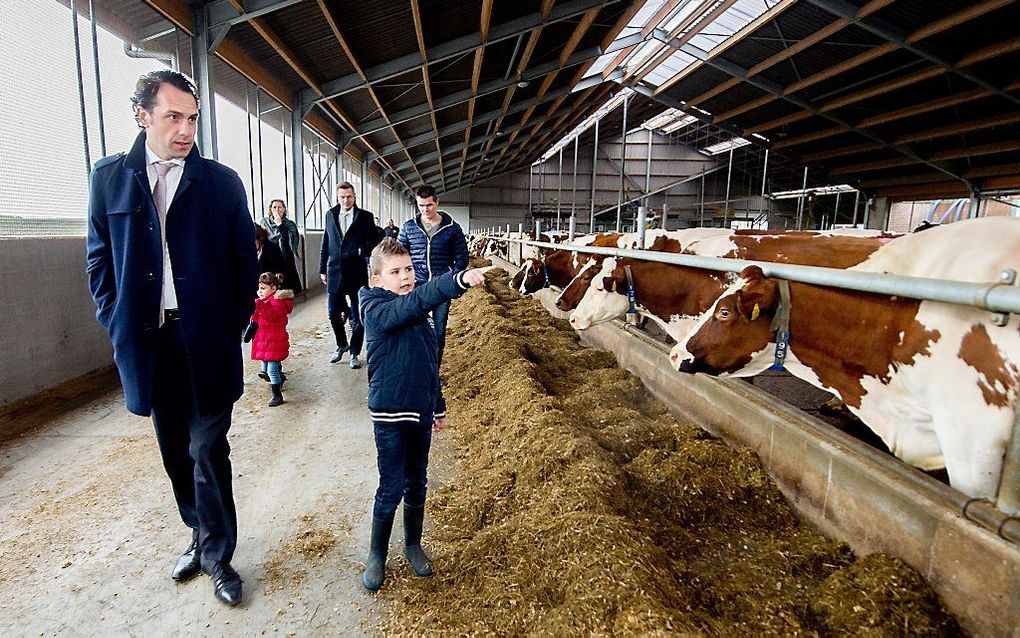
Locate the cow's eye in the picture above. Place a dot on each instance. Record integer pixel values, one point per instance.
(724, 313)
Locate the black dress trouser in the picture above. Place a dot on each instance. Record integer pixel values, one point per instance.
(195, 451)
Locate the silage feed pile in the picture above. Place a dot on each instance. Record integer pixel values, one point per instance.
(579, 506)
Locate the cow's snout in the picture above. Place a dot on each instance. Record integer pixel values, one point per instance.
(562, 304)
(687, 365)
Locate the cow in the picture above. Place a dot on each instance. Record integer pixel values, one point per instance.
(557, 267)
(937, 382)
(674, 296)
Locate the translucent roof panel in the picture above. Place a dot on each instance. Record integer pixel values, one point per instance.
(708, 34)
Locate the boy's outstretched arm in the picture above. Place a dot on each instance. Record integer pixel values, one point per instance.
(382, 314)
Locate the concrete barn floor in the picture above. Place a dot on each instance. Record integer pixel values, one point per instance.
(89, 531)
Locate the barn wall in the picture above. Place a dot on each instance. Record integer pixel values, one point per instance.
(504, 199)
(60, 339)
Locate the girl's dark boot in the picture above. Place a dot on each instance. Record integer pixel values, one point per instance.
(375, 566)
(420, 561)
(277, 396)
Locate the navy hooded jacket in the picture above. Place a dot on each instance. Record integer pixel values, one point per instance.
(403, 361)
(444, 252)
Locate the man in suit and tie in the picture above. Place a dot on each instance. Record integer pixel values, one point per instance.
(343, 266)
(173, 271)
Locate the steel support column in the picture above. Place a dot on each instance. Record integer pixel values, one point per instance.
(251, 151)
(202, 72)
(573, 191)
(258, 122)
(648, 170)
(99, 85)
(726, 202)
(594, 175)
(297, 156)
(623, 164)
(81, 88)
(559, 191)
(800, 202)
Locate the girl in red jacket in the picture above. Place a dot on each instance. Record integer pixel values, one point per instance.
(271, 344)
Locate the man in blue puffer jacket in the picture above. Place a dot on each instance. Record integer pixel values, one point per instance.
(437, 246)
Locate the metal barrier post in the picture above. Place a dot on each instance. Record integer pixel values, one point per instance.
(642, 223)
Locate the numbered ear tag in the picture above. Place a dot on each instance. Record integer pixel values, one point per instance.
(755, 312)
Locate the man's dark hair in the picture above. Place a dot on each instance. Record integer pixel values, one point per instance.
(345, 186)
(425, 192)
(148, 86)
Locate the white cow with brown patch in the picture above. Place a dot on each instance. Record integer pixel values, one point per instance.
(676, 296)
(937, 382)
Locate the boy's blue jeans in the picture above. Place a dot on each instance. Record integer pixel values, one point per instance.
(403, 458)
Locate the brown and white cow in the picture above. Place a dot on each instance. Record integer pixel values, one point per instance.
(937, 382)
(557, 267)
(675, 296)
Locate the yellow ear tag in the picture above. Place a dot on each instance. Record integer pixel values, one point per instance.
(755, 312)
(614, 285)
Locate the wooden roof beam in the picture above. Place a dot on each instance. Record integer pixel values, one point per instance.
(476, 70)
(426, 80)
(335, 27)
(985, 53)
(575, 39)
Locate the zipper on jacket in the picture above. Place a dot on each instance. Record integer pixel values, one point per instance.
(428, 243)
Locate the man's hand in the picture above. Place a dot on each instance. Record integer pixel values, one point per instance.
(476, 276)
(439, 424)
(323, 278)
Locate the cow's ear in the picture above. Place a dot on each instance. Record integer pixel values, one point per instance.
(757, 298)
(752, 275)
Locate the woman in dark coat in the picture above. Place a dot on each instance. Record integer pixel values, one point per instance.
(270, 257)
(283, 232)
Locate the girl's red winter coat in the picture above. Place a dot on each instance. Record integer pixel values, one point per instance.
(271, 342)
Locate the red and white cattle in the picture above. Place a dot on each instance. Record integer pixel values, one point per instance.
(557, 267)
(937, 382)
(675, 296)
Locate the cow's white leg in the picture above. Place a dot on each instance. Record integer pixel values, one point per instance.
(973, 436)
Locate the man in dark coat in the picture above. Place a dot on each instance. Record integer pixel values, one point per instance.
(437, 246)
(347, 244)
(173, 271)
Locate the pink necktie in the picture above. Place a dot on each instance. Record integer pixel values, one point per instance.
(159, 198)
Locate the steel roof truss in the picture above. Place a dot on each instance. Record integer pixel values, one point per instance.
(456, 47)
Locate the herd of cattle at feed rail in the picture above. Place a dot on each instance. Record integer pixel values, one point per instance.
(937, 382)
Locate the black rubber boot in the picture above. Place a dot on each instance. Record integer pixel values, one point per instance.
(420, 561)
(375, 566)
(277, 396)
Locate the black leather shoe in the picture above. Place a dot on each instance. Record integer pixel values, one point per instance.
(189, 563)
(227, 583)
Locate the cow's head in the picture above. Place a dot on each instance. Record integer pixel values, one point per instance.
(733, 337)
(606, 298)
(529, 278)
(578, 286)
